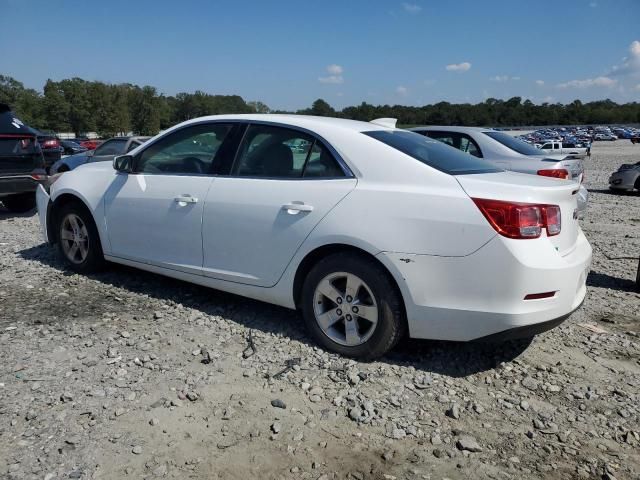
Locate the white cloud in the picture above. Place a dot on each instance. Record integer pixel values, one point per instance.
(548, 99)
(334, 69)
(400, 90)
(589, 82)
(411, 8)
(540, 82)
(503, 78)
(637, 87)
(593, 4)
(335, 75)
(631, 64)
(458, 67)
(332, 79)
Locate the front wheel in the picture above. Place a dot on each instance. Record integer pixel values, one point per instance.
(351, 306)
(78, 239)
(20, 203)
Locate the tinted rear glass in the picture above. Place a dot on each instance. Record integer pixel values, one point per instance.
(432, 152)
(514, 143)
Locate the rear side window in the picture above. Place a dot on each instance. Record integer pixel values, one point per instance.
(433, 153)
(275, 152)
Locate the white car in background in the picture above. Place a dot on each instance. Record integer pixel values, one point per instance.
(511, 153)
(372, 232)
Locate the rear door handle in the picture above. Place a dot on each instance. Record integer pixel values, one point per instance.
(294, 208)
(184, 199)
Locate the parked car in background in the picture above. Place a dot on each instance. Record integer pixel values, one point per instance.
(374, 232)
(555, 147)
(510, 153)
(627, 178)
(71, 148)
(606, 137)
(89, 144)
(635, 139)
(104, 153)
(51, 147)
(21, 163)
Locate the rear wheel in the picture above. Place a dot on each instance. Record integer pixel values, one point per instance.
(351, 306)
(78, 239)
(20, 202)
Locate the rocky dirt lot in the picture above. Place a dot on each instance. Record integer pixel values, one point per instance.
(103, 377)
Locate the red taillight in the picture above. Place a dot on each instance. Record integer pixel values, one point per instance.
(38, 177)
(51, 143)
(520, 220)
(555, 173)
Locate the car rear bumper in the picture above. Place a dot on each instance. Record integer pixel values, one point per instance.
(482, 294)
(11, 184)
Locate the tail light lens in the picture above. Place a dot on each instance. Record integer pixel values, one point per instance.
(520, 220)
(51, 143)
(555, 173)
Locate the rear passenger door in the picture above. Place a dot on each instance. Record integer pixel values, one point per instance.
(282, 183)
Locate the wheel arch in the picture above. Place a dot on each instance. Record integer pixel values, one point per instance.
(55, 206)
(317, 254)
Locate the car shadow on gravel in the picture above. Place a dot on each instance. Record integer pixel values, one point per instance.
(614, 193)
(602, 280)
(5, 214)
(455, 359)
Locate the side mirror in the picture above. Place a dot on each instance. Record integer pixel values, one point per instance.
(123, 163)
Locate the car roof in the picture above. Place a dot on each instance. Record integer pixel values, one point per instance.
(453, 128)
(318, 124)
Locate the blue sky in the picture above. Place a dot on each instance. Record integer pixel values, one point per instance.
(288, 53)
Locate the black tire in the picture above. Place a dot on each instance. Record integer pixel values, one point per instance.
(20, 202)
(391, 325)
(94, 260)
(637, 184)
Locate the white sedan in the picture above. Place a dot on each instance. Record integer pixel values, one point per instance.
(371, 232)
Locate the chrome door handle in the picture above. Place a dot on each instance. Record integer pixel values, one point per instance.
(295, 208)
(184, 199)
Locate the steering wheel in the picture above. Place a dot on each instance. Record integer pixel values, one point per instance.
(193, 165)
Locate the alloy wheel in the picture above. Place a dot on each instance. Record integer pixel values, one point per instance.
(345, 309)
(74, 238)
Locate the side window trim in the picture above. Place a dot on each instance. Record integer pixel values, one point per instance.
(226, 172)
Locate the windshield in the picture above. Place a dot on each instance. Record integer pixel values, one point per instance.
(432, 152)
(514, 143)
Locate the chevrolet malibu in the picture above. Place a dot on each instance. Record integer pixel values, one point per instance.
(372, 232)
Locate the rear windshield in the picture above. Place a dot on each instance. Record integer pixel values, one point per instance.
(432, 152)
(514, 143)
(17, 146)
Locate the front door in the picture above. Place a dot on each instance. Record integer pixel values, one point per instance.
(282, 184)
(154, 215)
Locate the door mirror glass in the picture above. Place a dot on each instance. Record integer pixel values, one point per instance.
(123, 163)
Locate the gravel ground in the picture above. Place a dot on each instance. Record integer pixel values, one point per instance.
(103, 377)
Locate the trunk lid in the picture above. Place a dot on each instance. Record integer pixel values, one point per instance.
(523, 188)
(19, 155)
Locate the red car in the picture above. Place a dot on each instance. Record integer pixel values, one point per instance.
(88, 144)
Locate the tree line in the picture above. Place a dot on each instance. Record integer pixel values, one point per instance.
(77, 105)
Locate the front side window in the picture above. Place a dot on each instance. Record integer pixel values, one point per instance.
(275, 152)
(111, 147)
(432, 152)
(190, 150)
